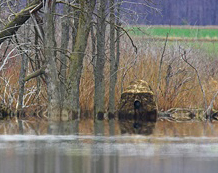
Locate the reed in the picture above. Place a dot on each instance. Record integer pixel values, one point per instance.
(179, 85)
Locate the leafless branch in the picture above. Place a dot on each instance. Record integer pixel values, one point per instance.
(160, 66)
(210, 107)
(184, 58)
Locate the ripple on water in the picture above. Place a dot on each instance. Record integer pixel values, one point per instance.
(124, 145)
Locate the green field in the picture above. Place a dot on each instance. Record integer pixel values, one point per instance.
(204, 38)
(186, 32)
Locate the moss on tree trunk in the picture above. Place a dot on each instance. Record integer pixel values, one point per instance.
(19, 19)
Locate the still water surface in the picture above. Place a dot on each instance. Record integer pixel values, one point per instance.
(107, 154)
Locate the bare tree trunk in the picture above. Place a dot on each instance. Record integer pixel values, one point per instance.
(114, 61)
(75, 25)
(71, 108)
(37, 62)
(22, 84)
(99, 101)
(64, 45)
(24, 63)
(50, 56)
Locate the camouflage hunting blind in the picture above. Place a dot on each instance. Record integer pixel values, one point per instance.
(137, 103)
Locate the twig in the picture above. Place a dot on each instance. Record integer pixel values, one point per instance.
(132, 42)
(210, 107)
(160, 66)
(183, 56)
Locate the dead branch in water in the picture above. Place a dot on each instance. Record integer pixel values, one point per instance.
(207, 113)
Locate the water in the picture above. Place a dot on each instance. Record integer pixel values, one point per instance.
(114, 147)
(102, 154)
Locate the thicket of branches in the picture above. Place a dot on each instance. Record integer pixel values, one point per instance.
(45, 42)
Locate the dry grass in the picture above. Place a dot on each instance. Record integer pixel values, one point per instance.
(9, 90)
(179, 86)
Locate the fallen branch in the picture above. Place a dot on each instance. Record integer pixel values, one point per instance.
(19, 19)
(35, 74)
(210, 107)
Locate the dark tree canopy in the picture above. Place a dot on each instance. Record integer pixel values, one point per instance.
(176, 12)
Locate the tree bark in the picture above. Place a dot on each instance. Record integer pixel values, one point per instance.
(75, 25)
(51, 69)
(64, 45)
(99, 98)
(22, 83)
(71, 107)
(112, 60)
(24, 64)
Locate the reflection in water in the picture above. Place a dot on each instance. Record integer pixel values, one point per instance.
(103, 147)
(122, 154)
(63, 128)
(125, 126)
(131, 127)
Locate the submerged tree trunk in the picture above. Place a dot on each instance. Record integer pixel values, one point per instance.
(99, 98)
(22, 75)
(24, 63)
(71, 107)
(64, 45)
(50, 56)
(37, 66)
(112, 60)
(22, 84)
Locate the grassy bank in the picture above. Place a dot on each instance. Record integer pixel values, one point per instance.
(175, 31)
(195, 37)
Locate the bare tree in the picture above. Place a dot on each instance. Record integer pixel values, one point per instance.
(50, 56)
(59, 64)
(99, 98)
(114, 59)
(71, 107)
(65, 26)
(24, 63)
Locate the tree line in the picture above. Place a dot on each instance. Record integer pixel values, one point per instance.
(175, 12)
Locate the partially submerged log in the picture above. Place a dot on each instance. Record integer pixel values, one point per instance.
(187, 114)
(19, 19)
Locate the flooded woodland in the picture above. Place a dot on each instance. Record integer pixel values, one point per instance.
(82, 91)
